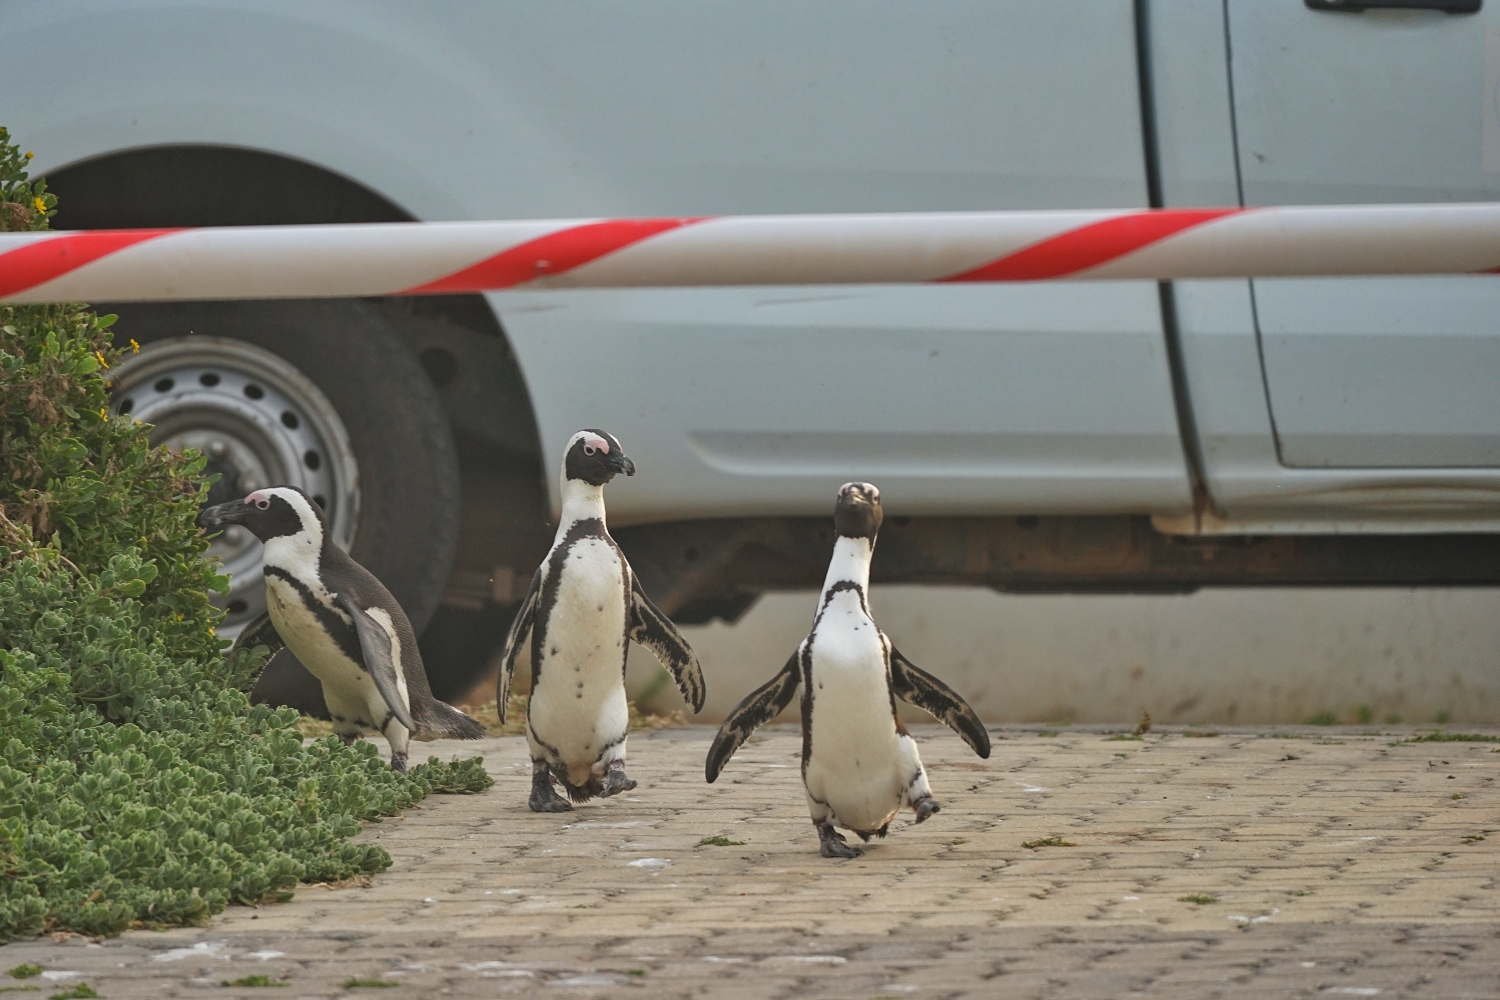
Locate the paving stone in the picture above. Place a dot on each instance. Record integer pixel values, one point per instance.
(1341, 871)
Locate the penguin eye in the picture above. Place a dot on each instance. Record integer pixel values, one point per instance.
(589, 449)
(263, 504)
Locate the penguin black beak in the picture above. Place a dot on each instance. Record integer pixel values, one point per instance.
(622, 464)
(217, 516)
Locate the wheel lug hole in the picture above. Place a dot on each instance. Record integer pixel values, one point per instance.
(218, 449)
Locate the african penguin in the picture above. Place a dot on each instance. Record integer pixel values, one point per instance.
(859, 765)
(583, 608)
(341, 622)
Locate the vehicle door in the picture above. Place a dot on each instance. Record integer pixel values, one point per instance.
(1333, 106)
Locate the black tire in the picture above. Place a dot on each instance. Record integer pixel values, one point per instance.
(408, 466)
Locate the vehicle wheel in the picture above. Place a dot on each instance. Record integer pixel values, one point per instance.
(325, 395)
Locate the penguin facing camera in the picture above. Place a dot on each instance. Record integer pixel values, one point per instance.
(341, 622)
(859, 765)
(583, 608)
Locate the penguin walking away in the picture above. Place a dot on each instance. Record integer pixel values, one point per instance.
(341, 622)
(859, 765)
(583, 607)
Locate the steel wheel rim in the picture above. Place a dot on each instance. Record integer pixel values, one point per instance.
(260, 422)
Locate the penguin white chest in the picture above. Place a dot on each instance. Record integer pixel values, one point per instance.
(309, 640)
(859, 764)
(578, 705)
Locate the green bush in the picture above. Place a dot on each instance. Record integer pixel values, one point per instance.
(138, 786)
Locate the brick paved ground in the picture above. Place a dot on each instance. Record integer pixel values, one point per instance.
(1341, 865)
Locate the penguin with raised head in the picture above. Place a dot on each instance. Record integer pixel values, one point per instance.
(583, 608)
(860, 767)
(341, 622)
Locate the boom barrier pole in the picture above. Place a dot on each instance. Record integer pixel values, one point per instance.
(420, 258)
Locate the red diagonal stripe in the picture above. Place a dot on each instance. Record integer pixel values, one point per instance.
(36, 263)
(1089, 246)
(550, 255)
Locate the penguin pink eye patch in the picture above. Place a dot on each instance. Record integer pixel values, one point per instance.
(591, 444)
(263, 502)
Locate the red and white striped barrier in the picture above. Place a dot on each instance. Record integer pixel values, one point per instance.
(446, 257)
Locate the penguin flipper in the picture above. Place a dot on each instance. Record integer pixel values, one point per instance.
(759, 707)
(520, 628)
(375, 644)
(919, 688)
(260, 632)
(652, 629)
(443, 720)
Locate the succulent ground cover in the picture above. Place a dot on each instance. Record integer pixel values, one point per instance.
(138, 785)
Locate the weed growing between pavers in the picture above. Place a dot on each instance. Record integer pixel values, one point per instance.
(359, 983)
(137, 783)
(259, 979)
(26, 970)
(1047, 842)
(1450, 738)
(83, 991)
(1198, 899)
(720, 842)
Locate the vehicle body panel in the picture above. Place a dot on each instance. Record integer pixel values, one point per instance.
(979, 400)
(985, 399)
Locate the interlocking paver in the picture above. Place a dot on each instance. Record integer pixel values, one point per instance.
(1338, 863)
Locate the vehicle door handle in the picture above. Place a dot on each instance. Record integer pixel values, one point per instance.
(1360, 6)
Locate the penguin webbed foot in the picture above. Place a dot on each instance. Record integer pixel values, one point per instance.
(544, 797)
(349, 739)
(616, 780)
(831, 843)
(925, 807)
(398, 762)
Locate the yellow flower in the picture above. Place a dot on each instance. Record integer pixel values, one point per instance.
(134, 347)
(41, 206)
(102, 362)
(29, 154)
(103, 413)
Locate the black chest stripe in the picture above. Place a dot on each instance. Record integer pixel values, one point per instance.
(333, 623)
(588, 527)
